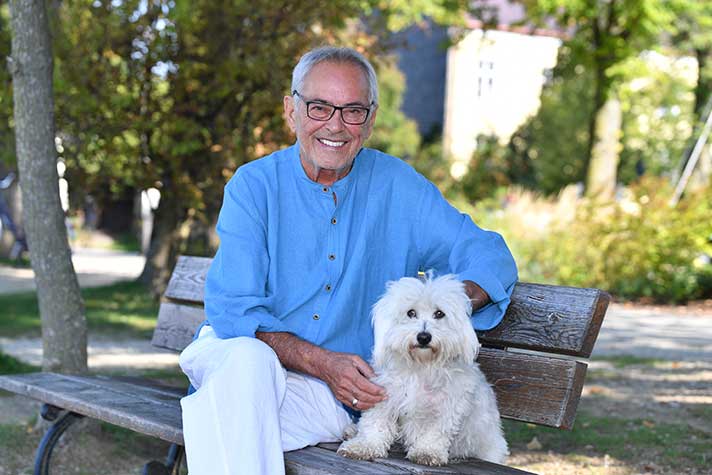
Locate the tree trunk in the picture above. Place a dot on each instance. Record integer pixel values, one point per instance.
(703, 91)
(64, 330)
(170, 231)
(601, 174)
(703, 87)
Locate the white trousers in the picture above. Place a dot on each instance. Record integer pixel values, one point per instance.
(248, 409)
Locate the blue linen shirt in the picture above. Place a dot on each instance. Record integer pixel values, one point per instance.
(301, 257)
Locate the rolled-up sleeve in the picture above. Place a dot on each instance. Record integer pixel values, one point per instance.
(450, 242)
(236, 298)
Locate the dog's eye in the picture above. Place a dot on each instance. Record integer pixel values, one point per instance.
(439, 314)
(411, 313)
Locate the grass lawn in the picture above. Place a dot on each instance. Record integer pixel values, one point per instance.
(125, 309)
(10, 365)
(628, 440)
(21, 263)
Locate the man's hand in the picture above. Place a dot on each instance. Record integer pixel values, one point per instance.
(347, 375)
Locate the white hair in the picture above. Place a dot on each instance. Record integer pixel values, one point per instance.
(335, 55)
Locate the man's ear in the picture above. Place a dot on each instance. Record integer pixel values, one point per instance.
(371, 121)
(289, 111)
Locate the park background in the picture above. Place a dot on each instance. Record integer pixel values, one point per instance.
(576, 128)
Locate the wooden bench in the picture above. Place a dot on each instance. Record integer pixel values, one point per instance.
(532, 359)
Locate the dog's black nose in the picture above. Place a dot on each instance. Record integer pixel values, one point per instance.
(424, 338)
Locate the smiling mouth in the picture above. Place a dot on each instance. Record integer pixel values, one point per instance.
(331, 143)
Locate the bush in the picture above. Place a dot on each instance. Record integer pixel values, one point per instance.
(636, 247)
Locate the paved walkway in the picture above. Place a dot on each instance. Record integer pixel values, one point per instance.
(659, 333)
(94, 268)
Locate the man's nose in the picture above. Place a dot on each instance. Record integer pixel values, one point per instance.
(336, 122)
(424, 338)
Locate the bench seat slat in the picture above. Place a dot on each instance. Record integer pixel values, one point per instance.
(547, 318)
(396, 458)
(127, 405)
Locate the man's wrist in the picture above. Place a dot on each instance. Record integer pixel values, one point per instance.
(478, 297)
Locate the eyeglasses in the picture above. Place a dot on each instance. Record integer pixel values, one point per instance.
(323, 111)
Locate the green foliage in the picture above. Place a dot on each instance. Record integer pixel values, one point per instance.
(657, 99)
(554, 143)
(491, 167)
(435, 166)
(693, 36)
(549, 151)
(393, 133)
(606, 32)
(7, 135)
(636, 248)
(606, 35)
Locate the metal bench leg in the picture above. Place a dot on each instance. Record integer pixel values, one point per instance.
(53, 434)
(170, 467)
(175, 458)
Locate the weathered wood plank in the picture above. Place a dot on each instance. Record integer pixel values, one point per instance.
(319, 461)
(129, 405)
(188, 279)
(534, 388)
(396, 458)
(549, 318)
(176, 325)
(556, 319)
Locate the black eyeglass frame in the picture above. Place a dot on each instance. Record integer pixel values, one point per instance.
(334, 109)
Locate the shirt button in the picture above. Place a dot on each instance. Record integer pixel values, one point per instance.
(332, 257)
(333, 220)
(325, 189)
(328, 287)
(316, 316)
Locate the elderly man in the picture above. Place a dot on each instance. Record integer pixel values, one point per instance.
(309, 237)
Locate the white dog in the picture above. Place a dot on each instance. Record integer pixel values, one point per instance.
(439, 406)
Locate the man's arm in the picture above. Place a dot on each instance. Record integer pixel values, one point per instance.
(346, 374)
(478, 297)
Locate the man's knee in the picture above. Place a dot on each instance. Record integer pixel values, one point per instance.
(246, 357)
(236, 359)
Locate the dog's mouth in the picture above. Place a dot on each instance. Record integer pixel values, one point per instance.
(419, 347)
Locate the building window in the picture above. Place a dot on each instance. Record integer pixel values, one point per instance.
(485, 79)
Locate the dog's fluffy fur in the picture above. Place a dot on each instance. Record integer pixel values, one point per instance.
(439, 406)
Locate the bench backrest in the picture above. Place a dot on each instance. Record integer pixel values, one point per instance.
(527, 358)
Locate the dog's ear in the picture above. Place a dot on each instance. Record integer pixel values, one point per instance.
(472, 344)
(381, 320)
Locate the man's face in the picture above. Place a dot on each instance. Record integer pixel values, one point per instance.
(328, 148)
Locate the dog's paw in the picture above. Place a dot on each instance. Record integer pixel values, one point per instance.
(427, 457)
(361, 450)
(350, 431)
